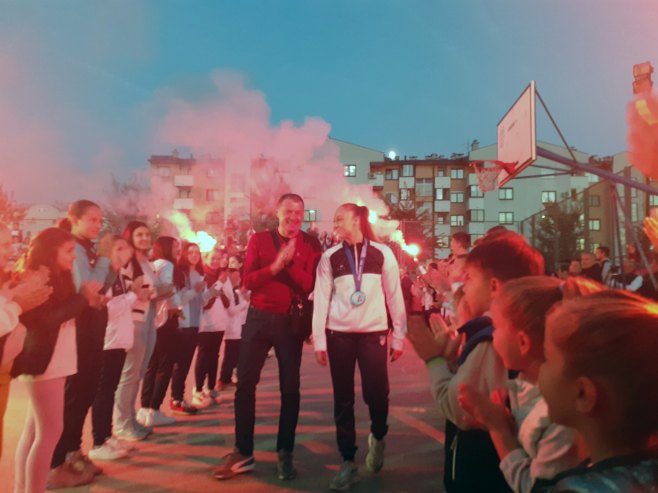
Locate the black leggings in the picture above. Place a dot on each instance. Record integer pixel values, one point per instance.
(207, 359)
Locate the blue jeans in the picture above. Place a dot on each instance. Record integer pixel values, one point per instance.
(262, 331)
(369, 350)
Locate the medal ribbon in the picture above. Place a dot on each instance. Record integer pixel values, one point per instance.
(357, 274)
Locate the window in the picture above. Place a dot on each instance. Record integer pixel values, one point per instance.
(441, 194)
(474, 191)
(392, 174)
(456, 220)
(506, 193)
(349, 170)
(164, 171)
(212, 194)
(477, 215)
(310, 215)
(580, 244)
(392, 198)
(424, 187)
(456, 196)
(595, 225)
(592, 178)
(548, 197)
(404, 194)
(457, 173)
(440, 171)
(184, 193)
(594, 200)
(184, 169)
(407, 170)
(441, 219)
(653, 200)
(213, 218)
(634, 213)
(506, 218)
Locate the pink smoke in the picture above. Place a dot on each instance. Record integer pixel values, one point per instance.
(642, 116)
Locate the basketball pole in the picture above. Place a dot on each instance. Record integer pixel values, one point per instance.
(573, 163)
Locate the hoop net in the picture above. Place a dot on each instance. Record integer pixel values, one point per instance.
(487, 173)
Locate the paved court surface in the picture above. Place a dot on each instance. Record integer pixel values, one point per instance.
(180, 458)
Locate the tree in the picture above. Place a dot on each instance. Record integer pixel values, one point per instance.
(558, 230)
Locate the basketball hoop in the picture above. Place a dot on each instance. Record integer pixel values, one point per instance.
(487, 176)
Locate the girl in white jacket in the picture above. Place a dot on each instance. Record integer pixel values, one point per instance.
(119, 337)
(214, 322)
(237, 312)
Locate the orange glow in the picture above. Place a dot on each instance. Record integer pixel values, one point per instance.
(204, 240)
(398, 238)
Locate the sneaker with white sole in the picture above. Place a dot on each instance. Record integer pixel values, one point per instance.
(346, 477)
(155, 417)
(375, 457)
(182, 408)
(140, 417)
(234, 463)
(130, 435)
(107, 452)
(200, 400)
(121, 444)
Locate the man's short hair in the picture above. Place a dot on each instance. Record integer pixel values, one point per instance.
(464, 239)
(290, 196)
(506, 257)
(604, 250)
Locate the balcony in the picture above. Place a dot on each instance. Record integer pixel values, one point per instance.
(184, 180)
(442, 182)
(476, 203)
(184, 204)
(477, 228)
(376, 179)
(407, 182)
(441, 206)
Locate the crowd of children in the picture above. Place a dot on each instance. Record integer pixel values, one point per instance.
(546, 385)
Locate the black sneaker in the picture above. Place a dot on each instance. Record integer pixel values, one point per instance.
(234, 463)
(182, 408)
(284, 466)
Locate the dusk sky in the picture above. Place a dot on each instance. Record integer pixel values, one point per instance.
(417, 77)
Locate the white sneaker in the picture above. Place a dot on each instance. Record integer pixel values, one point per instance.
(155, 417)
(200, 400)
(141, 415)
(107, 452)
(119, 444)
(375, 457)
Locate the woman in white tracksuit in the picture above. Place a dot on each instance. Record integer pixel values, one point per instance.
(357, 281)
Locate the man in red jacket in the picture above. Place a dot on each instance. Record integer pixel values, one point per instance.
(279, 270)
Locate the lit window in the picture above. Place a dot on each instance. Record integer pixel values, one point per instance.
(506, 218)
(474, 191)
(456, 220)
(548, 197)
(506, 193)
(349, 170)
(457, 173)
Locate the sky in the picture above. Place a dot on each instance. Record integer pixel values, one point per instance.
(85, 86)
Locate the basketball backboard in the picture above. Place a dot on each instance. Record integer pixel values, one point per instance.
(517, 135)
